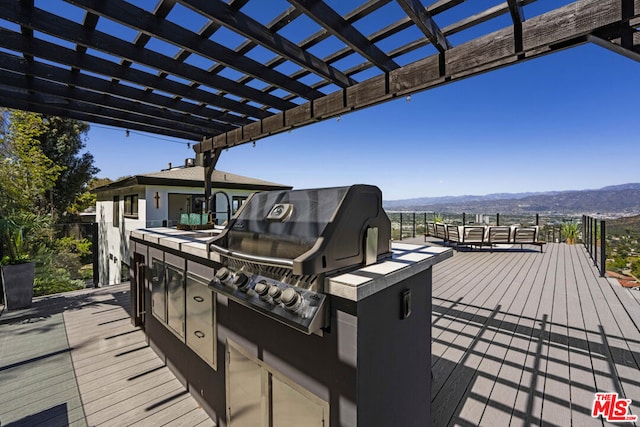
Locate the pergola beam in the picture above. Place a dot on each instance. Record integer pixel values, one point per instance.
(26, 76)
(328, 18)
(614, 47)
(220, 12)
(517, 17)
(43, 100)
(148, 24)
(61, 110)
(52, 52)
(559, 29)
(41, 20)
(423, 20)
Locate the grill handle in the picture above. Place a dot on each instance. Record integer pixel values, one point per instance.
(240, 256)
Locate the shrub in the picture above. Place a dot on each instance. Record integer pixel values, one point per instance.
(81, 247)
(571, 230)
(57, 272)
(86, 272)
(53, 281)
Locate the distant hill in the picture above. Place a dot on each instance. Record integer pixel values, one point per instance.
(629, 225)
(614, 200)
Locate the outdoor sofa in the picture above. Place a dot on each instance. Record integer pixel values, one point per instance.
(481, 235)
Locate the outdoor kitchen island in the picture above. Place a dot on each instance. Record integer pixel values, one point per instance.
(300, 312)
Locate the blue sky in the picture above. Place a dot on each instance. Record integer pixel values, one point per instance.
(560, 122)
(564, 121)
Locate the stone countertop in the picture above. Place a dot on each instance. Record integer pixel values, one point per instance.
(190, 241)
(407, 260)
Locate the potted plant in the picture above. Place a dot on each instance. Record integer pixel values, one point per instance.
(570, 230)
(17, 271)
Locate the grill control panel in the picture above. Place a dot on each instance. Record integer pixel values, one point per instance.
(299, 308)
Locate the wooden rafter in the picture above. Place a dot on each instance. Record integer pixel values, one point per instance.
(148, 24)
(291, 13)
(220, 12)
(340, 28)
(423, 20)
(52, 52)
(517, 17)
(49, 23)
(632, 52)
(62, 109)
(559, 29)
(55, 85)
(62, 65)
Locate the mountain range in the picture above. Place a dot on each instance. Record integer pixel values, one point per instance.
(613, 200)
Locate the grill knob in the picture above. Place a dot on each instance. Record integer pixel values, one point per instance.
(275, 292)
(291, 299)
(241, 281)
(222, 274)
(262, 289)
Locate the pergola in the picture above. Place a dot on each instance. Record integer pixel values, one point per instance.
(219, 74)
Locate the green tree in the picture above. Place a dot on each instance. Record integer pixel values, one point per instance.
(87, 198)
(63, 141)
(26, 173)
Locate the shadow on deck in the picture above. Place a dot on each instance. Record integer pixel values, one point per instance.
(75, 359)
(518, 337)
(522, 338)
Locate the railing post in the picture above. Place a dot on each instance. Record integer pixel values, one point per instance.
(603, 249)
(400, 226)
(464, 218)
(537, 219)
(588, 233)
(497, 219)
(414, 224)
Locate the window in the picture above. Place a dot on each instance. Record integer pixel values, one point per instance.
(131, 206)
(236, 202)
(116, 211)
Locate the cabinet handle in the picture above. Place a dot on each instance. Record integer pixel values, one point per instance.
(198, 298)
(199, 334)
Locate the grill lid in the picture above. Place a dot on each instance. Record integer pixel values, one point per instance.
(312, 231)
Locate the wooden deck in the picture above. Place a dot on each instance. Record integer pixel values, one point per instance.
(75, 359)
(524, 338)
(519, 338)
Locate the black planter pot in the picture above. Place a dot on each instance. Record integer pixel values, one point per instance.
(17, 283)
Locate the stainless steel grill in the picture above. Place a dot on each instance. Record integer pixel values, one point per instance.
(281, 245)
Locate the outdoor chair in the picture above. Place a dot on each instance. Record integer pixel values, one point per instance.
(440, 232)
(453, 234)
(498, 235)
(430, 231)
(473, 235)
(526, 236)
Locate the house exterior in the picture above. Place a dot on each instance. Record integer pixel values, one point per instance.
(160, 199)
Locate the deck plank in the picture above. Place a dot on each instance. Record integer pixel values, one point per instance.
(518, 337)
(501, 399)
(563, 335)
(117, 369)
(621, 339)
